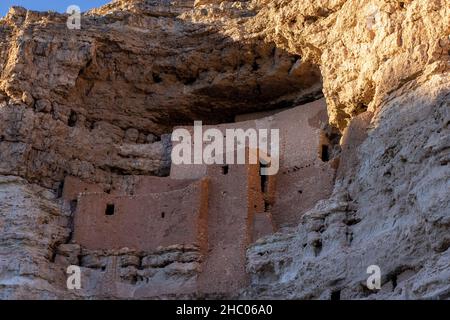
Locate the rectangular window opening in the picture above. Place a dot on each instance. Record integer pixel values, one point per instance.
(325, 153)
(110, 208)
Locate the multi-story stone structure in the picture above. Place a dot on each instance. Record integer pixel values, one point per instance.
(218, 210)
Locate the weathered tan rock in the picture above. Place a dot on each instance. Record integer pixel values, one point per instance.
(391, 210)
(366, 49)
(97, 104)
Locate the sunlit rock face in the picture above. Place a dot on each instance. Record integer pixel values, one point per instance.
(98, 104)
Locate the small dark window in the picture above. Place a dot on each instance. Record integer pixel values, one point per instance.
(73, 118)
(336, 295)
(156, 78)
(255, 66)
(225, 169)
(109, 211)
(163, 214)
(190, 80)
(325, 154)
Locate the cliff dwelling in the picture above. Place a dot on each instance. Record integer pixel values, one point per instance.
(358, 92)
(216, 210)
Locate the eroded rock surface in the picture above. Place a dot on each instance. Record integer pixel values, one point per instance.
(97, 103)
(393, 211)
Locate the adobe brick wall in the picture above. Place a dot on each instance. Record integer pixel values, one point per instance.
(299, 190)
(257, 115)
(128, 185)
(230, 206)
(300, 126)
(263, 225)
(261, 195)
(74, 186)
(151, 184)
(143, 222)
(234, 199)
(300, 133)
(304, 178)
(196, 171)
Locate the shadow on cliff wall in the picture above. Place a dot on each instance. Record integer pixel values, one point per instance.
(183, 72)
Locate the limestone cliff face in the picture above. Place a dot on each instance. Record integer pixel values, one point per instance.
(97, 103)
(391, 208)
